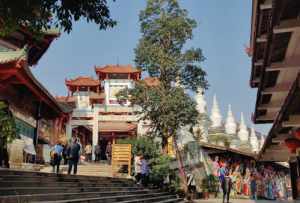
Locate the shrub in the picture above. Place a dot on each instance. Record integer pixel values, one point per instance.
(146, 145)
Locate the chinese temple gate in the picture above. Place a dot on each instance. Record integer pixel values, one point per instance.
(96, 109)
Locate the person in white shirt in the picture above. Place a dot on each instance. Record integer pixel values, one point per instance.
(137, 167)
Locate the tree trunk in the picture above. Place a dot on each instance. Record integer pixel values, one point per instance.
(164, 145)
(183, 177)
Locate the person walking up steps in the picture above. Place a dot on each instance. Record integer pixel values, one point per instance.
(57, 156)
(108, 152)
(73, 155)
(137, 167)
(144, 171)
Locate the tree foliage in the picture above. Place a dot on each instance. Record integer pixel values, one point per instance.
(8, 130)
(145, 145)
(160, 53)
(165, 30)
(39, 15)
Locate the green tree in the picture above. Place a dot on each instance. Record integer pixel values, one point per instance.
(161, 53)
(39, 15)
(8, 131)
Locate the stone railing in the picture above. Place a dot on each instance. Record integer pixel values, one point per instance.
(83, 113)
(125, 118)
(116, 108)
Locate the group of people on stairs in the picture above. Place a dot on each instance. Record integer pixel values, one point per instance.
(72, 153)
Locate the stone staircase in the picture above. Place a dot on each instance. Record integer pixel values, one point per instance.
(20, 187)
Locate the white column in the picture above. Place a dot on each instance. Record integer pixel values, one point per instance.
(106, 90)
(69, 130)
(95, 130)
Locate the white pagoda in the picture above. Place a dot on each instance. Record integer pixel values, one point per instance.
(216, 117)
(254, 141)
(243, 132)
(230, 133)
(230, 125)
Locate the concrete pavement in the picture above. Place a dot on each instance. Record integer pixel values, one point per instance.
(246, 201)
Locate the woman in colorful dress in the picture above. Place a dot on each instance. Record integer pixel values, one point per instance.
(246, 183)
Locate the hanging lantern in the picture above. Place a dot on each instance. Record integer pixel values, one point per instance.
(292, 144)
(296, 134)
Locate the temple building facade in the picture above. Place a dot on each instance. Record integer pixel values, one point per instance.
(97, 116)
(39, 117)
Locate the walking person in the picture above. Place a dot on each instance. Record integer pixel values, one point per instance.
(57, 156)
(108, 152)
(191, 185)
(253, 187)
(226, 187)
(88, 152)
(65, 154)
(144, 171)
(97, 152)
(137, 167)
(73, 155)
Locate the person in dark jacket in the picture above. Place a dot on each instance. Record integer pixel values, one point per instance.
(73, 155)
(108, 152)
(226, 187)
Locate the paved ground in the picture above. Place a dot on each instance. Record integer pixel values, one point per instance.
(245, 201)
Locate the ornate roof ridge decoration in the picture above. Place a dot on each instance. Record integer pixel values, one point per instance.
(13, 55)
(243, 133)
(82, 81)
(230, 125)
(200, 100)
(253, 140)
(116, 69)
(215, 116)
(262, 142)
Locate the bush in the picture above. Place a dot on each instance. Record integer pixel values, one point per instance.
(146, 145)
(160, 169)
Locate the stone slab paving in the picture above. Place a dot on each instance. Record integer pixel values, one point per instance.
(245, 201)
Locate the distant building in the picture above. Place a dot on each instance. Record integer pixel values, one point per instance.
(97, 114)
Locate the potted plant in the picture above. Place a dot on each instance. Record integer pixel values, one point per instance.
(213, 185)
(205, 188)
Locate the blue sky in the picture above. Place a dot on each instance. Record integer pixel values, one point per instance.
(223, 31)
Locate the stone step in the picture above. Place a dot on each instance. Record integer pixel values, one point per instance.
(140, 198)
(44, 183)
(43, 174)
(66, 196)
(174, 200)
(42, 190)
(62, 177)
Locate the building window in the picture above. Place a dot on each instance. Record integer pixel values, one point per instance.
(24, 128)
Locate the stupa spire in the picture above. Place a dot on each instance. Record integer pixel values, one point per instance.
(200, 100)
(253, 140)
(243, 133)
(216, 117)
(230, 125)
(262, 141)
